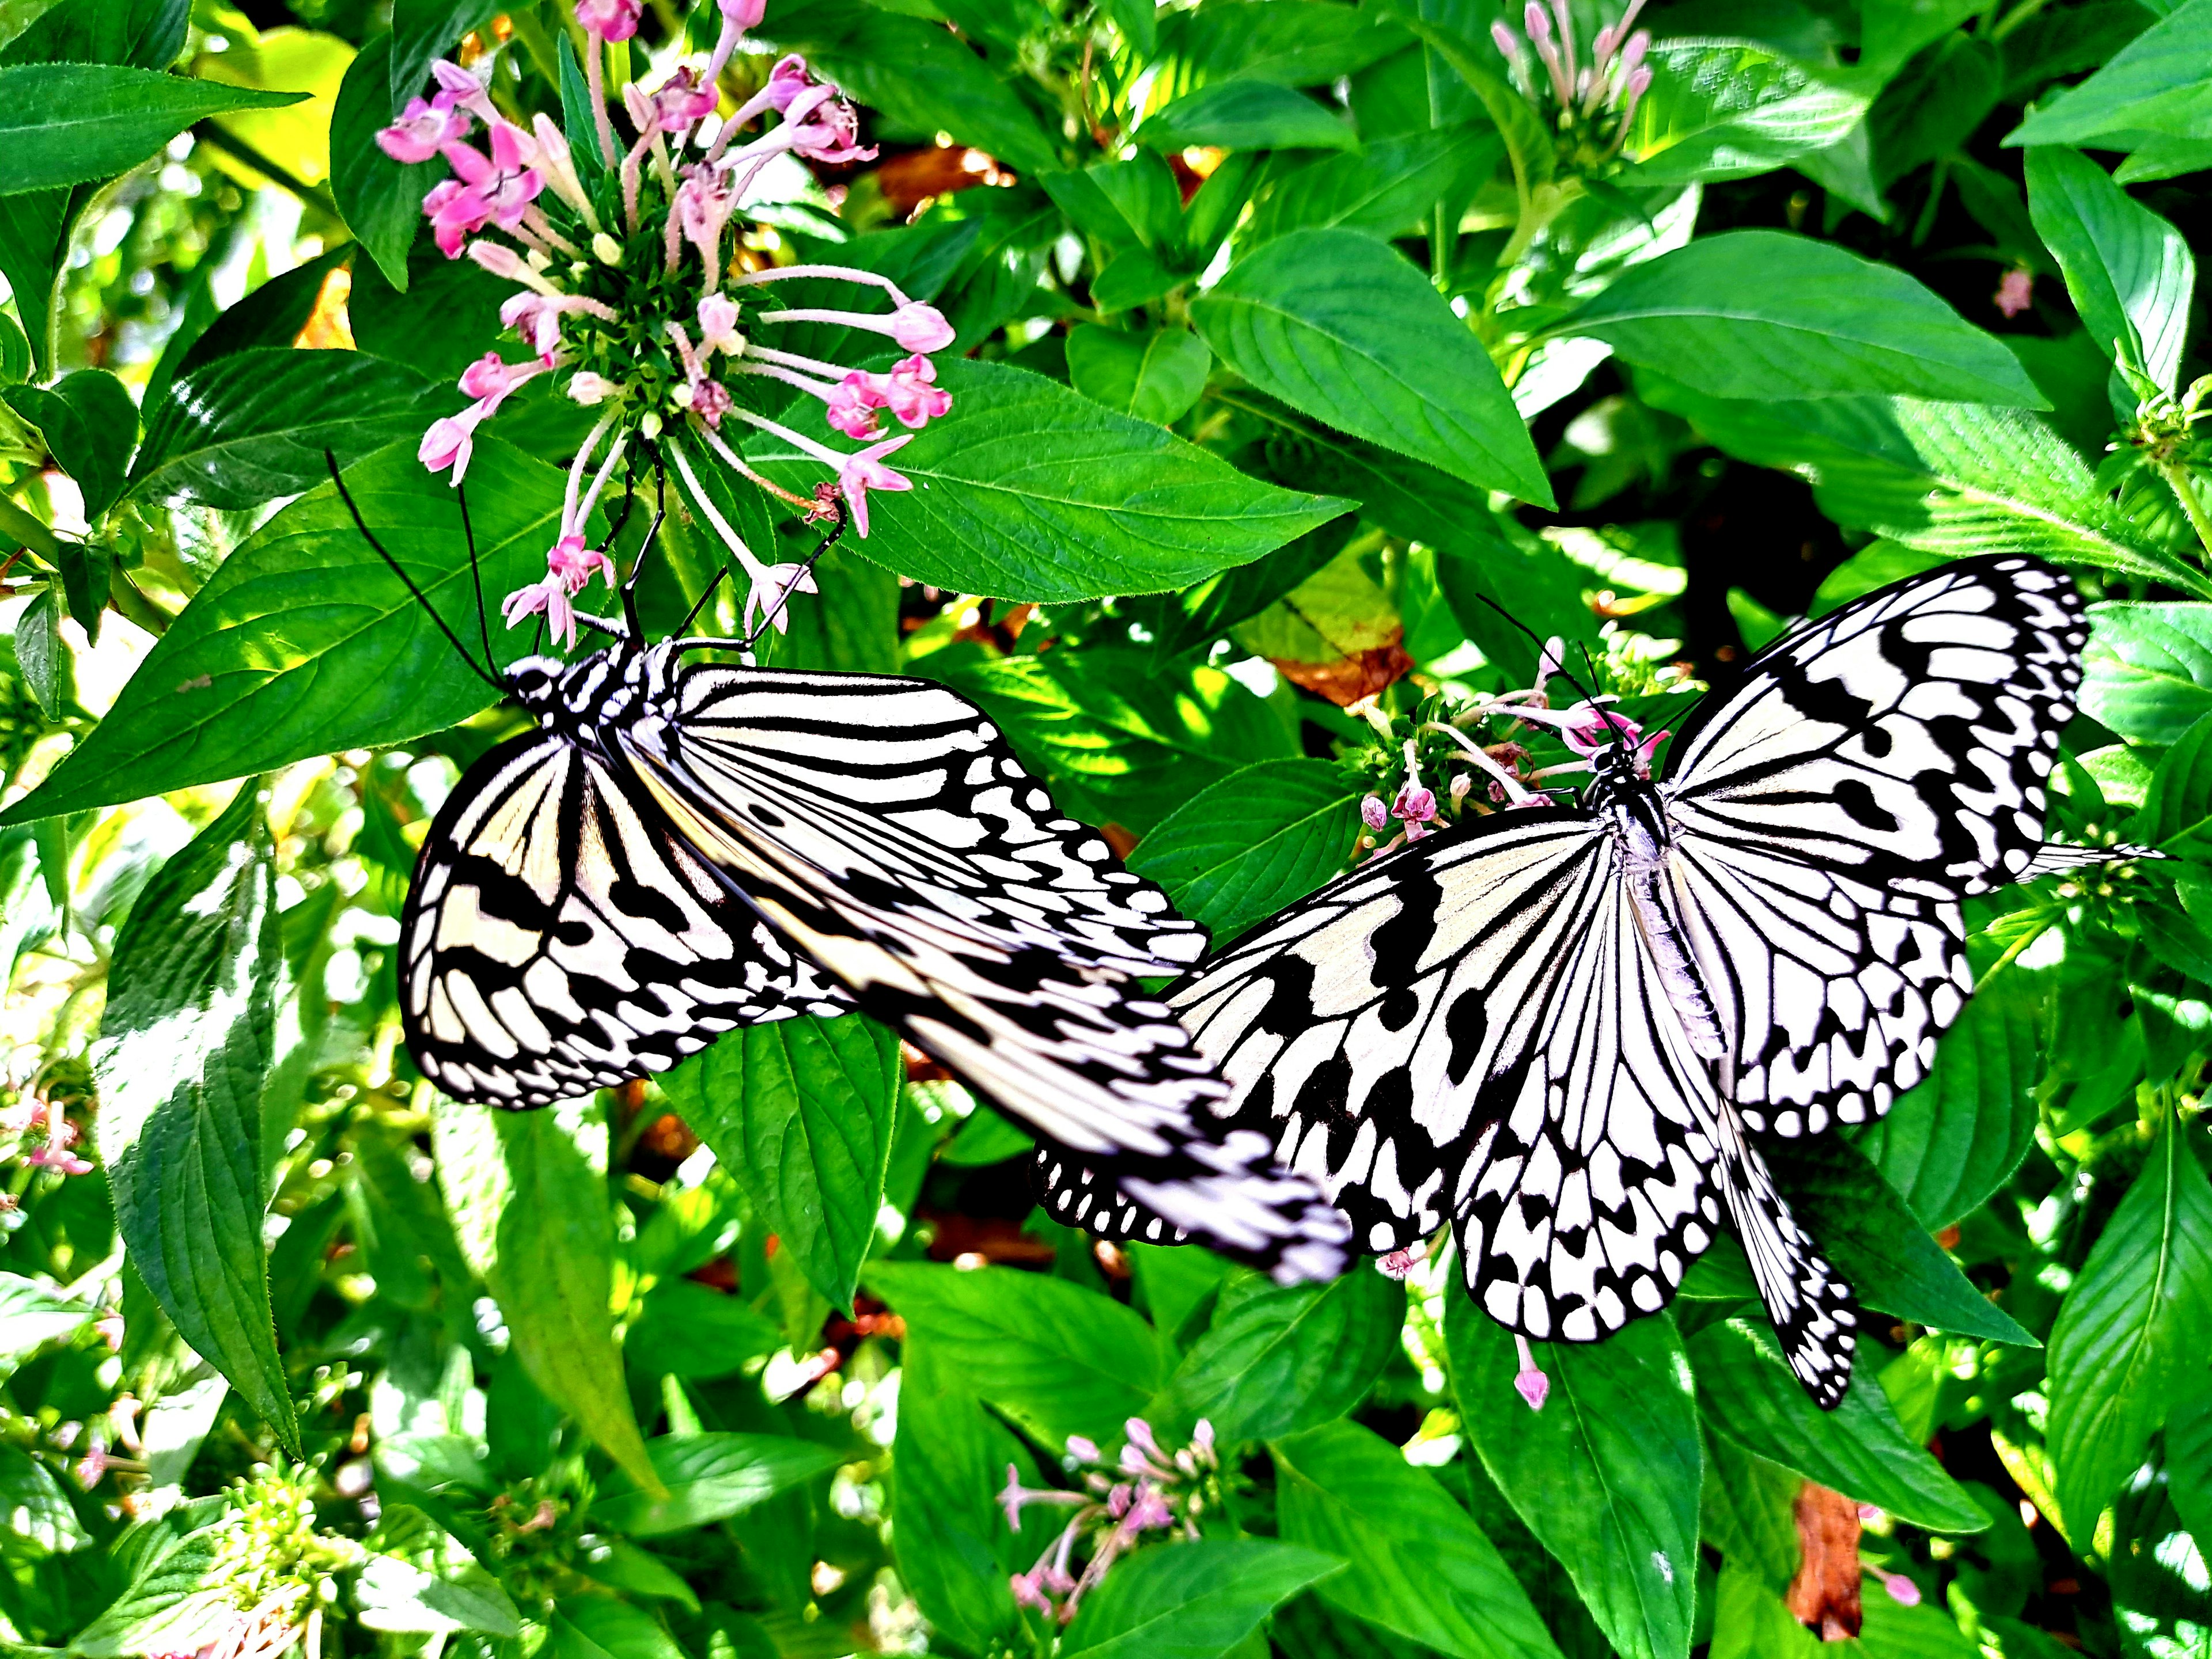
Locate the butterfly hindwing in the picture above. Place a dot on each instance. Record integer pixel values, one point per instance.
(559, 937)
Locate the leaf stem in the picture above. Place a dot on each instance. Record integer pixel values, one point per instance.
(208, 132)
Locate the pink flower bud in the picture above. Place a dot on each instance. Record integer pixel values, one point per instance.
(1537, 23)
(746, 14)
(1082, 1449)
(609, 20)
(1374, 814)
(785, 81)
(587, 388)
(1531, 1384)
(718, 326)
(1902, 1590)
(2015, 292)
(918, 327)
(710, 401)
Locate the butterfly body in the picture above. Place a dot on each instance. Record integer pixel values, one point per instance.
(680, 850)
(1557, 1029)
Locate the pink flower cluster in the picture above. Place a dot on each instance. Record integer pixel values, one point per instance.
(1608, 86)
(45, 1135)
(681, 182)
(1146, 1489)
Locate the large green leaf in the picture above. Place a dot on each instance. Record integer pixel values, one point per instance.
(2188, 1465)
(1029, 491)
(1955, 1137)
(1194, 1600)
(380, 198)
(73, 123)
(1339, 325)
(1606, 1475)
(1259, 839)
(1245, 114)
(1281, 1358)
(1764, 314)
(954, 1550)
(1751, 1398)
(305, 643)
(252, 426)
(1155, 376)
(708, 1477)
(2128, 271)
(800, 1111)
(533, 1218)
(91, 426)
(2156, 84)
(2146, 671)
(1878, 1245)
(1386, 190)
(2131, 1331)
(184, 1047)
(1726, 109)
(1943, 477)
(1057, 1359)
(1418, 1565)
(1122, 743)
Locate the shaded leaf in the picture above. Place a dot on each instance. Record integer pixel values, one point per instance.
(1281, 1358)
(1261, 838)
(708, 1477)
(1194, 1600)
(1245, 114)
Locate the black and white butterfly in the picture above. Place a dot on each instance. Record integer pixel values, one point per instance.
(681, 849)
(1555, 1029)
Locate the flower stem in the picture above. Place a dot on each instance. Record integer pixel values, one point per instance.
(595, 73)
(2185, 487)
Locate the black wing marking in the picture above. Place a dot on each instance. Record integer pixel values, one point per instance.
(1874, 767)
(1076, 1196)
(559, 936)
(1022, 981)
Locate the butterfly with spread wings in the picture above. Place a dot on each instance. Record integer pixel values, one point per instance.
(680, 850)
(1557, 1029)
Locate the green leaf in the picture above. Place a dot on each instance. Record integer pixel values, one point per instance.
(1155, 376)
(2146, 671)
(422, 30)
(709, 1478)
(533, 1219)
(1285, 41)
(1419, 1566)
(1949, 1143)
(1119, 742)
(30, 1316)
(184, 1045)
(688, 1329)
(90, 424)
(1055, 1358)
(74, 124)
(1751, 1398)
(380, 198)
(1281, 1358)
(173, 1603)
(2189, 1466)
(43, 654)
(35, 1512)
(2155, 84)
(1959, 479)
(1764, 314)
(2130, 1332)
(2128, 271)
(36, 229)
(271, 315)
(1880, 1247)
(1606, 1475)
(1245, 114)
(1261, 838)
(246, 428)
(1337, 324)
(2177, 806)
(1892, 31)
(1036, 492)
(800, 1111)
(1196, 1601)
(445, 317)
(305, 643)
(594, 1627)
(954, 1551)
(393, 1594)
(1385, 191)
(1202, 613)
(984, 1139)
(1728, 109)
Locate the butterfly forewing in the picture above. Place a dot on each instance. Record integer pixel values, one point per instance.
(559, 937)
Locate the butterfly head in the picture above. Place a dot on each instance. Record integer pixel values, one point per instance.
(535, 682)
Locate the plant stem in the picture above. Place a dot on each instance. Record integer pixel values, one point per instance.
(208, 132)
(2185, 487)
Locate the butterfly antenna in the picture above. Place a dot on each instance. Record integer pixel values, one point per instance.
(842, 517)
(637, 565)
(408, 581)
(1620, 731)
(691, 615)
(476, 574)
(1561, 669)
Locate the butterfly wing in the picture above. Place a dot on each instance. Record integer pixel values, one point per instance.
(559, 936)
(882, 826)
(1872, 769)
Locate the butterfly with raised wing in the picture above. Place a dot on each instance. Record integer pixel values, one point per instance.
(681, 849)
(1557, 1029)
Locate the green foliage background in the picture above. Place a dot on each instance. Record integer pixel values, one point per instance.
(1288, 334)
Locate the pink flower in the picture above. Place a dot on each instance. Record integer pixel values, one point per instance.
(421, 128)
(918, 327)
(609, 20)
(463, 88)
(455, 213)
(549, 597)
(57, 1156)
(1374, 814)
(93, 1465)
(1902, 1590)
(1533, 1386)
(785, 81)
(1415, 804)
(490, 379)
(110, 1327)
(1028, 1592)
(2015, 292)
(718, 326)
(537, 320)
(850, 407)
(911, 392)
(710, 401)
(450, 441)
(746, 14)
(864, 471)
(682, 100)
(823, 127)
(771, 598)
(497, 190)
(703, 202)
(575, 564)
